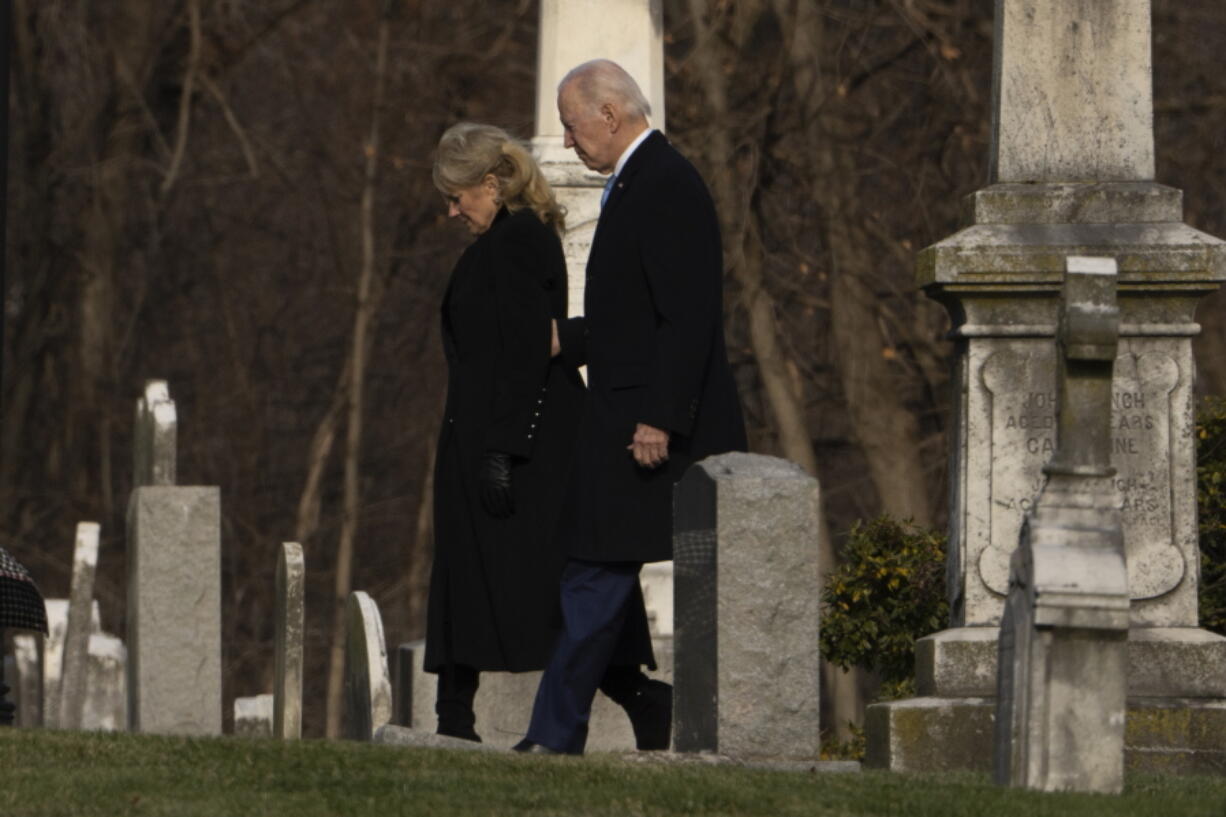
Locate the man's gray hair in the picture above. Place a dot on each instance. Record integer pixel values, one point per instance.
(603, 81)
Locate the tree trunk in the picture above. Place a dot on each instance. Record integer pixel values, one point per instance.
(743, 256)
(363, 323)
(417, 577)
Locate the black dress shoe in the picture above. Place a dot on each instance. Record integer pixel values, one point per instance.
(527, 747)
(651, 715)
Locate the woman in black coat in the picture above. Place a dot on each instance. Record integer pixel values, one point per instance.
(511, 416)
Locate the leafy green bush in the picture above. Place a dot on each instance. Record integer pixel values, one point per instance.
(1211, 507)
(888, 591)
(833, 748)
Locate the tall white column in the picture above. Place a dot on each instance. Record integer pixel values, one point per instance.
(629, 32)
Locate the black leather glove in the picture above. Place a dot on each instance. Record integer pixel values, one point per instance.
(495, 478)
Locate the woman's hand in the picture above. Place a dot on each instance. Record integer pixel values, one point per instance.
(495, 479)
(555, 345)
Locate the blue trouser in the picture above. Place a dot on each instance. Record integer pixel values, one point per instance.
(595, 598)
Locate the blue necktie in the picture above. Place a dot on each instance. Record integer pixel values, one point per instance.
(608, 187)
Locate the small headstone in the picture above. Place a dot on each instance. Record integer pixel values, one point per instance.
(1063, 663)
(253, 717)
(368, 688)
(73, 687)
(746, 665)
(106, 681)
(657, 581)
(155, 448)
(51, 654)
(287, 690)
(27, 680)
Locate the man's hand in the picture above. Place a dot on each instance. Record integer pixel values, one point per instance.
(650, 446)
(555, 345)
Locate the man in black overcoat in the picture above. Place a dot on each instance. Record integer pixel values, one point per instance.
(660, 396)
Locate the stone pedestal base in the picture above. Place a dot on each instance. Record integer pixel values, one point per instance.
(1161, 735)
(1163, 662)
(1176, 719)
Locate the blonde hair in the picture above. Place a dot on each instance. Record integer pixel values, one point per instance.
(468, 151)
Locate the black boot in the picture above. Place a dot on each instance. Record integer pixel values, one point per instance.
(457, 686)
(648, 703)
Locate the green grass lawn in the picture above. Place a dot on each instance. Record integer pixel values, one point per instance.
(79, 774)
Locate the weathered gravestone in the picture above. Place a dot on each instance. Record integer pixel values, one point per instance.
(253, 717)
(105, 704)
(174, 585)
(287, 690)
(51, 655)
(40, 666)
(368, 687)
(75, 670)
(1062, 666)
(1072, 160)
(27, 678)
(746, 671)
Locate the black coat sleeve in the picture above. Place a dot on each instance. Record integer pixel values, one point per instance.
(523, 336)
(682, 261)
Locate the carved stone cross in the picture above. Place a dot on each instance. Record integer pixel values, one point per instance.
(1062, 669)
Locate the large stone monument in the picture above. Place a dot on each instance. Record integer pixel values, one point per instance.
(1072, 174)
(1062, 663)
(174, 585)
(746, 665)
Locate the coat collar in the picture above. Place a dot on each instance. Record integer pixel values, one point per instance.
(637, 159)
